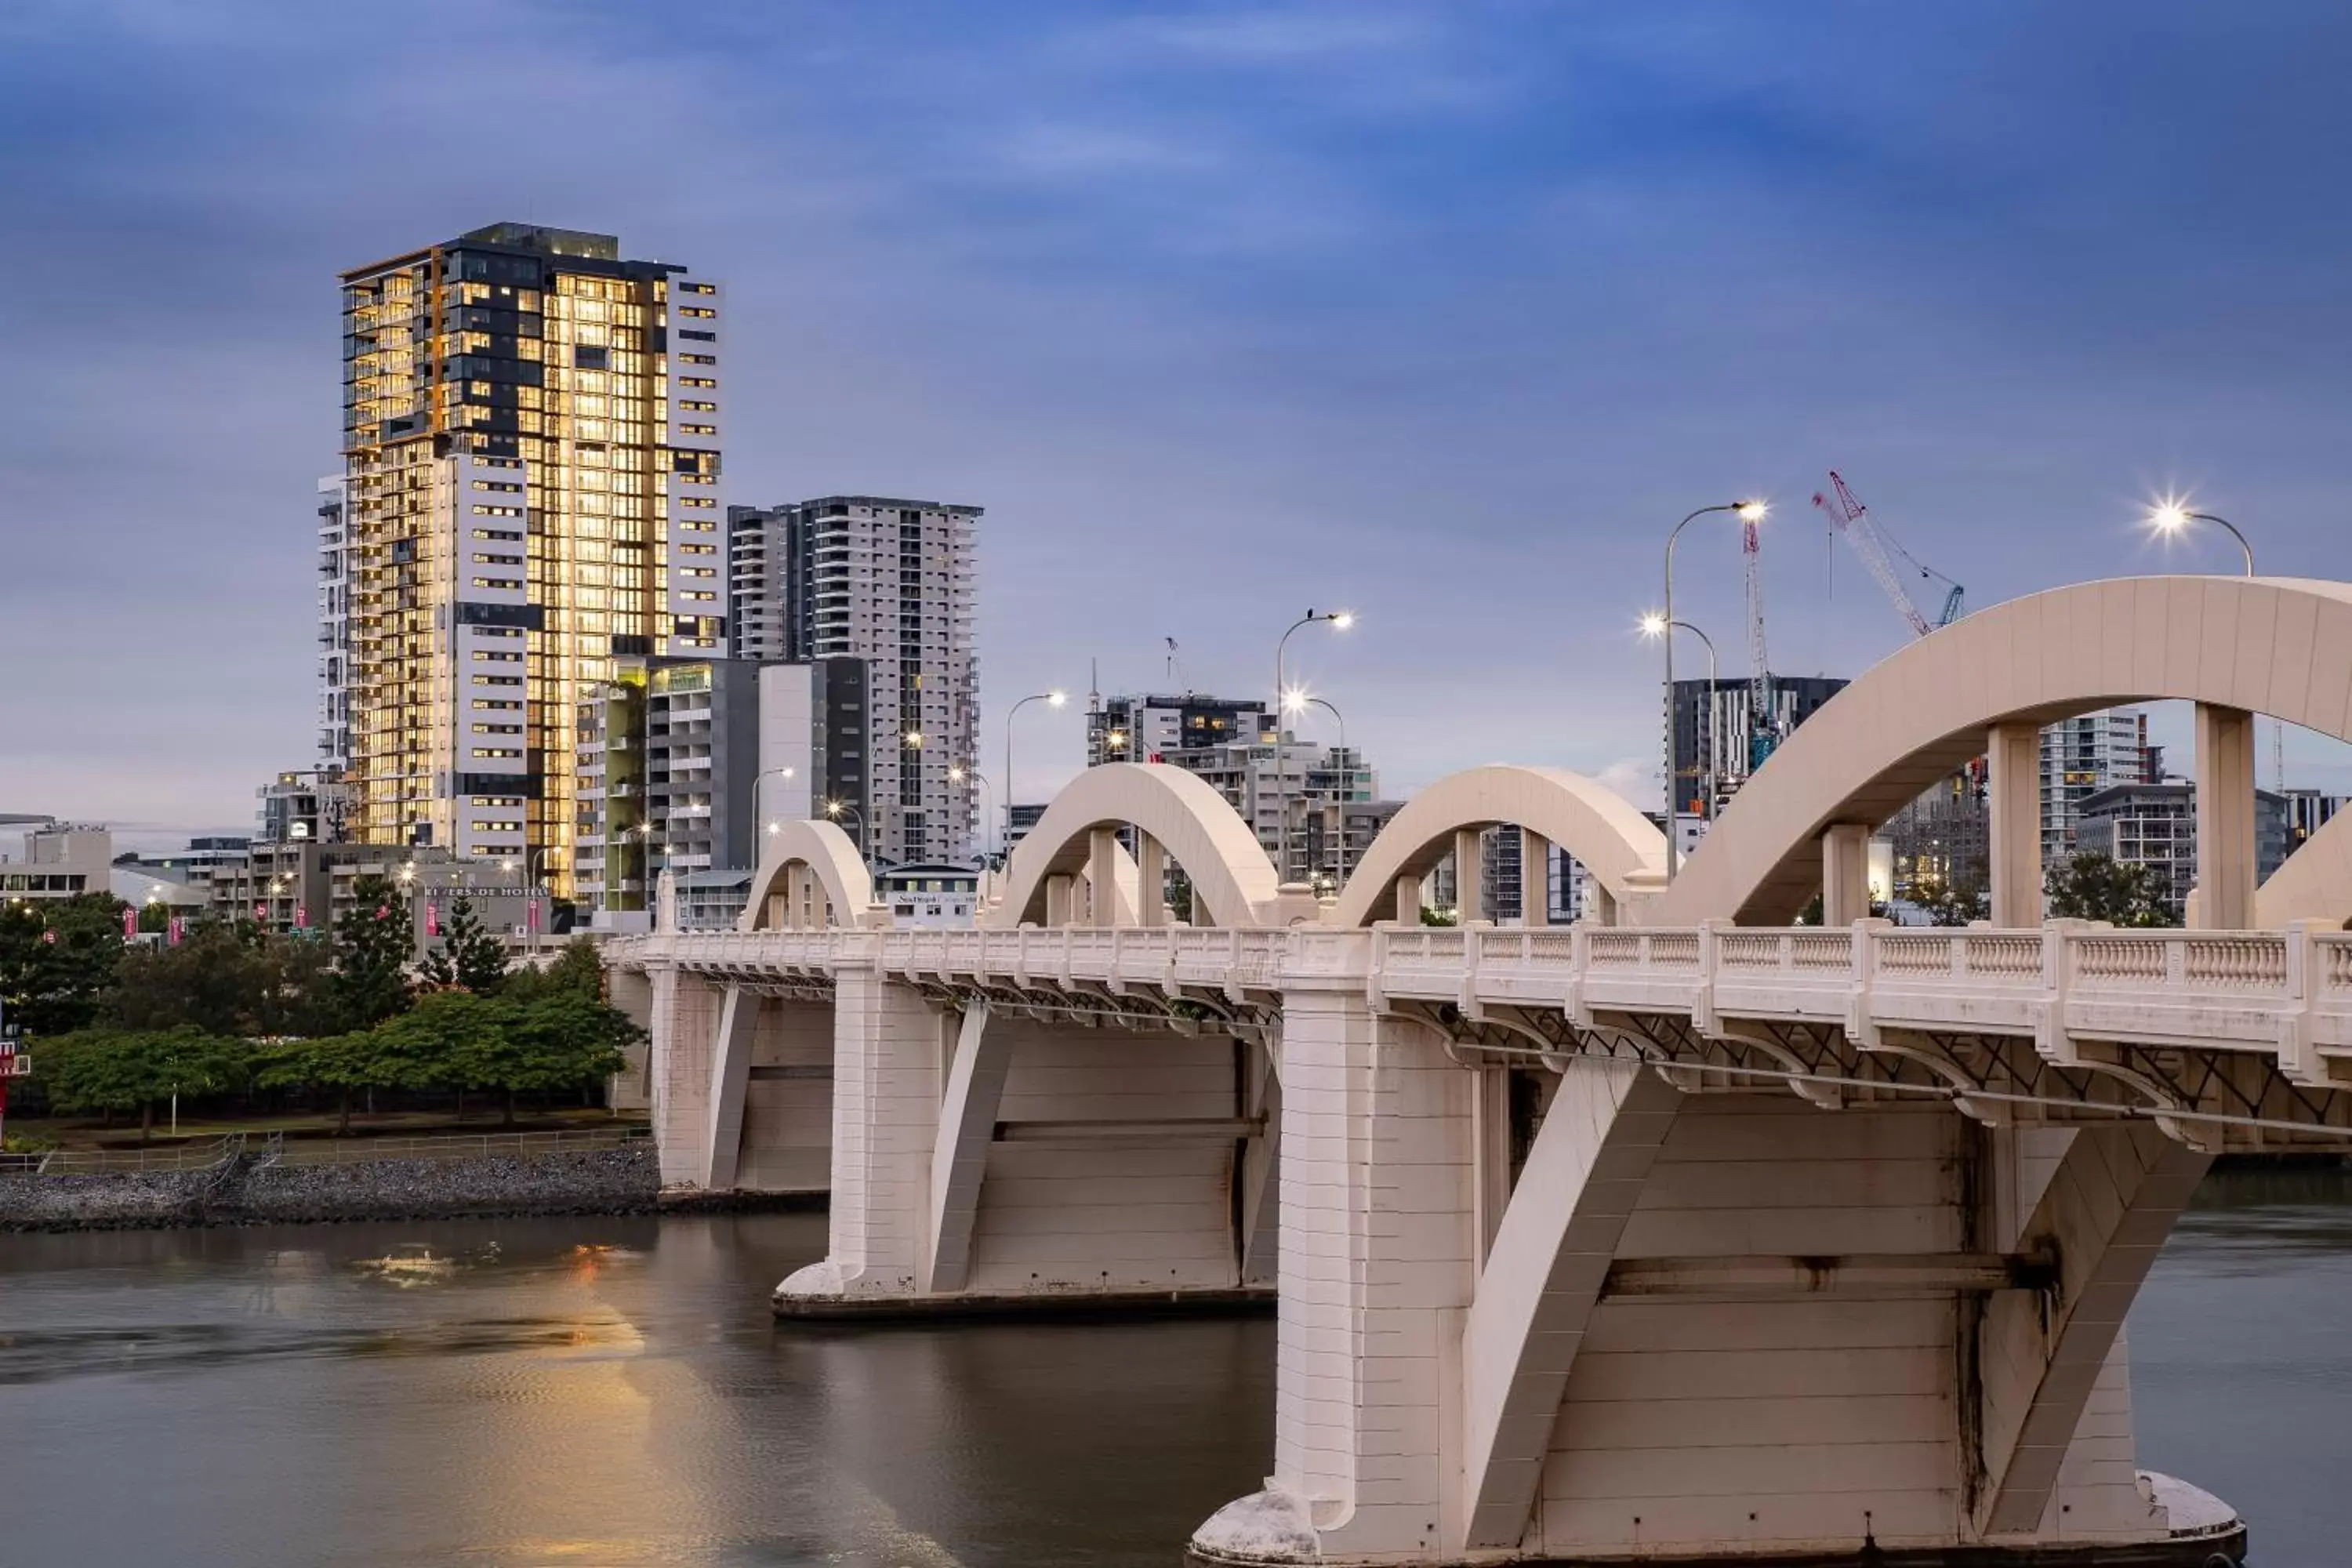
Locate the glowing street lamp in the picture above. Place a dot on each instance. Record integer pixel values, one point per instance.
(2170, 518)
(1339, 621)
(1655, 625)
(1751, 511)
(1057, 699)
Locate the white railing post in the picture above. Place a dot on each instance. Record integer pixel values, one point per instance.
(1861, 998)
(2051, 1038)
(2305, 978)
(1702, 1017)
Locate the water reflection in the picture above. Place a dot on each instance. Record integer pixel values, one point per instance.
(612, 1390)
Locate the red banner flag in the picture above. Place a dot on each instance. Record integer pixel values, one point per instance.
(172, 930)
(130, 922)
(432, 919)
(301, 917)
(261, 912)
(530, 914)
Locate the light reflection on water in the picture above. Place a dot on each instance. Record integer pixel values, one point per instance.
(612, 1390)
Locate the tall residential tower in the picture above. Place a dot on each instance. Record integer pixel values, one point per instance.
(531, 462)
(887, 582)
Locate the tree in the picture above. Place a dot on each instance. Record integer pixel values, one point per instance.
(577, 970)
(57, 958)
(469, 956)
(107, 1070)
(558, 1042)
(1955, 906)
(211, 980)
(373, 941)
(2094, 887)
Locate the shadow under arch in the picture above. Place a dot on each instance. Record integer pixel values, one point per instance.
(1623, 850)
(2280, 647)
(838, 869)
(1232, 879)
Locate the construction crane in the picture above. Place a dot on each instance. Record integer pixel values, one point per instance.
(1850, 518)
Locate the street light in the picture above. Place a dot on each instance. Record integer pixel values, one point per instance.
(958, 773)
(1339, 621)
(1655, 625)
(2171, 517)
(761, 777)
(1299, 701)
(1749, 510)
(1057, 699)
(833, 808)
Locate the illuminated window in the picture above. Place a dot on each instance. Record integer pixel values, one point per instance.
(684, 430)
(697, 359)
(697, 289)
(700, 312)
(692, 406)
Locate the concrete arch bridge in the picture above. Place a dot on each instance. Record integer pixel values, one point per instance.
(1681, 1233)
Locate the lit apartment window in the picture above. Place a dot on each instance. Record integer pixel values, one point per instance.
(700, 312)
(697, 359)
(684, 430)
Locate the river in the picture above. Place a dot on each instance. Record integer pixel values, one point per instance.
(612, 1390)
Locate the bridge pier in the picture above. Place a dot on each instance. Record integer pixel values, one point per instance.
(997, 1156)
(1710, 1320)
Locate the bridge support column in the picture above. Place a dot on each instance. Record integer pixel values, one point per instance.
(959, 1152)
(1377, 1265)
(2013, 795)
(1845, 873)
(730, 1075)
(1469, 877)
(2107, 1205)
(888, 1046)
(1151, 880)
(1535, 879)
(685, 1012)
(1408, 901)
(2225, 818)
(1102, 877)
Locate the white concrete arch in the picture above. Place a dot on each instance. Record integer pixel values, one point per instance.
(2315, 883)
(810, 875)
(1232, 880)
(2281, 647)
(1622, 848)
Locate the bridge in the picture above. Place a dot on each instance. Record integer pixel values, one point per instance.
(1681, 1233)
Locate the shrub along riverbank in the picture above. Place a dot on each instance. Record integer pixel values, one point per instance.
(234, 1019)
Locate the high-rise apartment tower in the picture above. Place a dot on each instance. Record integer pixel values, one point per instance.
(531, 462)
(888, 582)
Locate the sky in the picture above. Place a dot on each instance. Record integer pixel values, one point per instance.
(1442, 312)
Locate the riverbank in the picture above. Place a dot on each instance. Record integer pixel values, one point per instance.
(253, 1190)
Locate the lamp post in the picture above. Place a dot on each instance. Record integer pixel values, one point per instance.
(1657, 626)
(1749, 511)
(1056, 697)
(787, 775)
(1339, 621)
(2170, 518)
(959, 773)
(834, 808)
(531, 872)
(1299, 701)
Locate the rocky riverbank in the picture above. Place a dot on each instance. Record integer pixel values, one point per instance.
(251, 1191)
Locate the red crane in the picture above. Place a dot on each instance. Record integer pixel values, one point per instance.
(1850, 518)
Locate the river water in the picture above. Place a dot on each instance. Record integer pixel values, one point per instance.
(613, 1392)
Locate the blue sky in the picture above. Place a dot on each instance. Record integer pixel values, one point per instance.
(1442, 311)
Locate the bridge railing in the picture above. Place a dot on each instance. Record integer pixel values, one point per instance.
(2287, 991)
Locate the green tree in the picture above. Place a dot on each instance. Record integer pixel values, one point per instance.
(576, 971)
(211, 980)
(469, 955)
(109, 1071)
(556, 1042)
(2094, 887)
(373, 941)
(57, 959)
(155, 919)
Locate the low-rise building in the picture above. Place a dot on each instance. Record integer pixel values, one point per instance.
(2155, 825)
(929, 895)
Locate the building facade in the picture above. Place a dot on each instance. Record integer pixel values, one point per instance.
(888, 582)
(530, 446)
(334, 629)
(814, 744)
(2083, 756)
(1716, 726)
(1150, 729)
(2155, 825)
